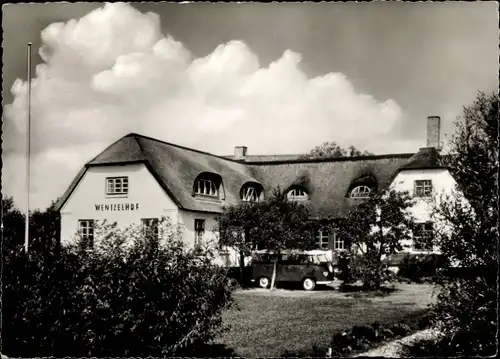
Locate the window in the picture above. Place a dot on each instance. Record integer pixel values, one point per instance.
(250, 194)
(297, 194)
(150, 226)
(116, 186)
(86, 231)
(206, 187)
(322, 238)
(199, 231)
(338, 243)
(423, 236)
(294, 259)
(423, 188)
(361, 192)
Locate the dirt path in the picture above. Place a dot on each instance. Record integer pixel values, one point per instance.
(395, 348)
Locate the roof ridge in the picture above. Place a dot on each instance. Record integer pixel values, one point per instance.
(333, 159)
(107, 148)
(141, 148)
(181, 147)
(312, 160)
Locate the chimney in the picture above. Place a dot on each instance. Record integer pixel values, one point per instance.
(433, 132)
(240, 153)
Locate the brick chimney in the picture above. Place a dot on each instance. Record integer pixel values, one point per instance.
(433, 132)
(240, 153)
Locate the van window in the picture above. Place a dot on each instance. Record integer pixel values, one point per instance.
(263, 258)
(294, 259)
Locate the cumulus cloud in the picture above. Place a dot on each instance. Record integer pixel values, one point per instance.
(113, 72)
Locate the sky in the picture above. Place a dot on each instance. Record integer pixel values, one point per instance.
(277, 78)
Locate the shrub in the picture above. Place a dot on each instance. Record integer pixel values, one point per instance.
(387, 333)
(235, 274)
(467, 304)
(372, 271)
(361, 338)
(374, 228)
(314, 352)
(144, 298)
(400, 329)
(342, 343)
(420, 267)
(347, 268)
(364, 332)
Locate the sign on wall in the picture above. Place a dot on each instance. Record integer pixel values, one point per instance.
(114, 207)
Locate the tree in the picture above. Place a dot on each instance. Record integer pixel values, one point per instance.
(44, 228)
(12, 228)
(332, 149)
(466, 310)
(373, 229)
(236, 225)
(275, 224)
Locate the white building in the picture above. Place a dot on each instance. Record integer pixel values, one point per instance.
(139, 179)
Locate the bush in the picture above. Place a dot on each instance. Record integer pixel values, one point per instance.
(372, 272)
(362, 338)
(364, 332)
(466, 311)
(234, 273)
(314, 352)
(420, 267)
(147, 298)
(346, 267)
(400, 329)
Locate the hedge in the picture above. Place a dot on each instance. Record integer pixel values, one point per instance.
(151, 299)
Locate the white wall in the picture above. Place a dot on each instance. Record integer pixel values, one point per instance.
(144, 192)
(186, 221)
(442, 183)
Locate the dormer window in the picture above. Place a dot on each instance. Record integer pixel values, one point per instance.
(251, 192)
(206, 187)
(297, 194)
(361, 192)
(363, 186)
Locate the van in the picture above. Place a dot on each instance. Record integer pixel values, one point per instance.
(308, 268)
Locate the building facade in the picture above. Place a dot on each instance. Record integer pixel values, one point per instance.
(138, 180)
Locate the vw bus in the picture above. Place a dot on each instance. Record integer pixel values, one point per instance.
(310, 268)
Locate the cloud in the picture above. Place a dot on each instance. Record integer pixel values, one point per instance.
(113, 72)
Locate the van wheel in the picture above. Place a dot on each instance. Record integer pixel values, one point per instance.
(308, 284)
(264, 282)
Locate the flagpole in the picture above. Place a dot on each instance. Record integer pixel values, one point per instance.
(28, 155)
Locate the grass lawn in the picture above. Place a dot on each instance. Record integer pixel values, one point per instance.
(268, 323)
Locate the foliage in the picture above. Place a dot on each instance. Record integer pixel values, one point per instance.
(362, 338)
(235, 230)
(373, 229)
(314, 352)
(44, 229)
(434, 347)
(275, 224)
(419, 267)
(131, 294)
(346, 267)
(332, 149)
(466, 310)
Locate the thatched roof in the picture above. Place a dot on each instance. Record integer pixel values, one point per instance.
(175, 168)
(327, 181)
(425, 158)
(267, 158)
